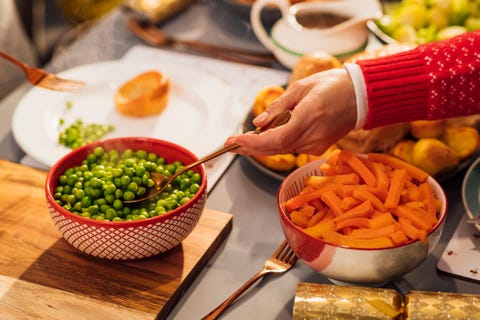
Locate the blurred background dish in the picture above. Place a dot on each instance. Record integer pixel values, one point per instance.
(336, 27)
(425, 21)
(471, 190)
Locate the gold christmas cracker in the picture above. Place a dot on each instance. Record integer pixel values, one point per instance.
(159, 10)
(424, 305)
(332, 302)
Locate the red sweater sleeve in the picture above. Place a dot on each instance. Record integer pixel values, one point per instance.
(433, 81)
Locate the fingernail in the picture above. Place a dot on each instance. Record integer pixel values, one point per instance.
(261, 117)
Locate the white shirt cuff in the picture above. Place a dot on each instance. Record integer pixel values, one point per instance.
(356, 75)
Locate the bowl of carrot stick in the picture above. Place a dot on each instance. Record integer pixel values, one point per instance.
(361, 218)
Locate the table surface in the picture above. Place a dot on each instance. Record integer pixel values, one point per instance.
(243, 191)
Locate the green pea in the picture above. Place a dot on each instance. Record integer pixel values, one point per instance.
(128, 195)
(98, 187)
(117, 204)
(152, 157)
(109, 188)
(78, 193)
(125, 180)
(96, 183)
(128, 153)
(86, 214)
(93, 209)
(196, 178)
(185, 183)
(86, 202)
(133, 187)
(142, 154)
(140, 171)
(184, 200)
(110, 198)
(194, 188)
(141, 191)
(62, 180)
(98, 151)
(110, 214)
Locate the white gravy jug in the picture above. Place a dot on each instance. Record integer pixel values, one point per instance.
(337, 27)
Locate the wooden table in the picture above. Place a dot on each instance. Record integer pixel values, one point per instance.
(43, 277)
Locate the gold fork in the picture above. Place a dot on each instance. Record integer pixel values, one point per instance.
(148, 32)
(40, 77)
(281, 261)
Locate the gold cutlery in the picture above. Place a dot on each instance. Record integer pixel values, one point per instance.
(281, 261)
(148, 32)
(162, 181)
(41, 78)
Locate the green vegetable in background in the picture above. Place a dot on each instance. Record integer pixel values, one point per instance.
(79, 133)
(421, 21)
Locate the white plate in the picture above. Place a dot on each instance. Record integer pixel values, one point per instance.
(201, 113)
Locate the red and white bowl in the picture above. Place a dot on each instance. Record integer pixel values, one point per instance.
(346, 265)
(127, 240)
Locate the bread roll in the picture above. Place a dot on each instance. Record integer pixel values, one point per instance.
(143, 95)
(312, 63)
(376, 140)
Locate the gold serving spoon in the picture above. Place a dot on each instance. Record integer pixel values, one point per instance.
(161, 181)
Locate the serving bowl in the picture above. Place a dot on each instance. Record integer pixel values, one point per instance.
(126, 240)
(347, 265)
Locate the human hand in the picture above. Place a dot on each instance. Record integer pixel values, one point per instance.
(323, 111)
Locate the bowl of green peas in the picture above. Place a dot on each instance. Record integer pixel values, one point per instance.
(86, 192)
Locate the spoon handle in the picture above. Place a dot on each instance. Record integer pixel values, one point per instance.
(278, 121)
(163, 181)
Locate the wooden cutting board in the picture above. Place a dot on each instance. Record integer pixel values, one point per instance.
(43, 277)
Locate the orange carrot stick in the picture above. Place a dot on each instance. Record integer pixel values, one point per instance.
(398, 237)
(349, 202)
(362, 210)
(299, 218)
(318, 181)
(349, 241)
(427, 194)
(358, 166)
(404, 212)
(318, 217)
(399, 177)
(356, 222)
(367, 233)
(383, 182)
(319, 229)
(332, 201)
(396, 163)
(381, 220)
(363, 194)
(410, 231)
(304, 198)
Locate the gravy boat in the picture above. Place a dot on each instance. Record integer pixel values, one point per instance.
(292, 36)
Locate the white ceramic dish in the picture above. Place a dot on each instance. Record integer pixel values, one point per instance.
(289, 40)
(471, 190)
(201, 113)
